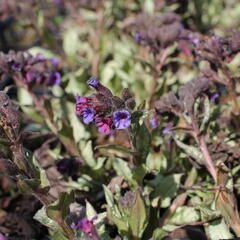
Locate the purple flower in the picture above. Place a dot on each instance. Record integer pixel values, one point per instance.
(88, 115)
(138, 36)
(54, 61)
(214, 96)
(55, 78)
(17, 66)
(122, 119)
(93, 81)
(85, 225)
(167, 130)
(40, 57)
(154, 122)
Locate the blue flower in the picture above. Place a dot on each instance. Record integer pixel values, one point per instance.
(93, 81)
(122, 119)
(55, 78)
(88, 115)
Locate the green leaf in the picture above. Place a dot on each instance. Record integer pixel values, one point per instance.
(61, 206)
(116, 147)
(114, 213)
(138, 216)
(47, 53)
(90, 211)
(108, 196)
(148, 6)
(42, 217)
(71, 41)
(142, 141)
(139, 173)
(83, 183)
(122, 169)
(42, 174)
(58, 236)
(111, 203)
(87, 153)
(184, 215)
(159, 233)
(207, 111)
(190, 150)
(26, 104)
(54, 228)
(165, 188)
(218, 230)
(156, 161)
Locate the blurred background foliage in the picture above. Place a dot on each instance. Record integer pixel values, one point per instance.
(96, 38)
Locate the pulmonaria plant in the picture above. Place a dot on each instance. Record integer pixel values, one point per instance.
(30, 71)
(185, 106)
(218, 52)
(107, 111)
(160, 31)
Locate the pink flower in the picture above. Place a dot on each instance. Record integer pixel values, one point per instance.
(104, 125)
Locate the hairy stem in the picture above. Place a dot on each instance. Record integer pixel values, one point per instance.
(209, 162)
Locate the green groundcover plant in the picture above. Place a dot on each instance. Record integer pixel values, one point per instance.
(119, 119)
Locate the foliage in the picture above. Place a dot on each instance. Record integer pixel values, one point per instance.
(122, 120)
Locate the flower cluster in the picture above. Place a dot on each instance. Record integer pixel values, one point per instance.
(183, 102)
(107, 111)
(30, 70)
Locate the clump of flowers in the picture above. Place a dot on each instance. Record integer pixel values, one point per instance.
(30, 70)
(109, 112)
